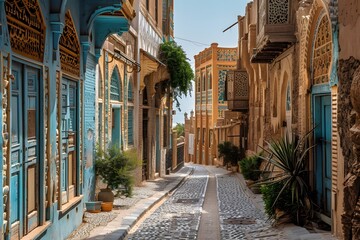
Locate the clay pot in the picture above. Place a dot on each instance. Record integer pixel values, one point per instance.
(106, 195)
(106, 206)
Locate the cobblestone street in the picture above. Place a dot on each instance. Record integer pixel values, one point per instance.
(179, 216)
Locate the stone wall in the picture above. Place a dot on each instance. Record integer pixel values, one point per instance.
(349, 128)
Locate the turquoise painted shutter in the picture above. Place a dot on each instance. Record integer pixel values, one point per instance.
(115, 86)
(130, 91)
(130, 125)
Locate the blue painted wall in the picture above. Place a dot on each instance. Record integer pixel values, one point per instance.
(63, 223)
(89, 128)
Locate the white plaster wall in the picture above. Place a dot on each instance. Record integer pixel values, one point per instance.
(149, 40)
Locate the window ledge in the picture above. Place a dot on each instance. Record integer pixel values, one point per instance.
(37, 231)
(70, 205)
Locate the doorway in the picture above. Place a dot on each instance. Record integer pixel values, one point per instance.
(322, 154)
(116, 126)
(24, 166)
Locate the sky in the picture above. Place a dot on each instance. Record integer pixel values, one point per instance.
(197, 24)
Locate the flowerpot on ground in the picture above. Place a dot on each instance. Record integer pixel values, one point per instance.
(106, 195)
(93, 206)
(249, 182)
(255, 189)
(106, 206)
(234, 168)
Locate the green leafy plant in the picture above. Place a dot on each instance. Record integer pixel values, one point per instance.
(180, 71)
(180, 129)
(230, 153)
(289, 158)
(116, 167)
(283, 203)
(250, 167)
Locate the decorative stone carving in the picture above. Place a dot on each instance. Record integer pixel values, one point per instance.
(278, 11)
(355, 100)
(221, 86)
(47, 135)
(226, 54)
(26, 27)
(351, 216)
(56, 192)
(322, 52)
(70, 48)
(5, 65)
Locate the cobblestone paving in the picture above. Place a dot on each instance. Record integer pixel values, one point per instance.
(92, 220)
(179, 216)
(239, 218)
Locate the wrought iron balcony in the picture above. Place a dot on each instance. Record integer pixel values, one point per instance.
(275, 29)
(237, 90)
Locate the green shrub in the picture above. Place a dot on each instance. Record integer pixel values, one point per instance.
(250, 167)
(116, 168)
(272, 200)
(291, 158)
(230, 153)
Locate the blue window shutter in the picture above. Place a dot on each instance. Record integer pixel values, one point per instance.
(131, 125)
(115, 86)
(130, 91)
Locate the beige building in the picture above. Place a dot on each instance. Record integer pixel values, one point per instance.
(290, 51)
(211, 66)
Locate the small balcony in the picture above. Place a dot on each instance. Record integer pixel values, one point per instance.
(237, 90)
(276, 29)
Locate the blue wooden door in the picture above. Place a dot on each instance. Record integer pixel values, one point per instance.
(322, 119)
(116, 126)
(24, 192)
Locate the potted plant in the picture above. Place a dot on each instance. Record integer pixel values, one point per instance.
(290, 158)
(250, 168)
(230, 154)
(115, 169)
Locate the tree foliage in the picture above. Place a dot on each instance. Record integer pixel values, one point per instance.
(180, 129)
(180, 71)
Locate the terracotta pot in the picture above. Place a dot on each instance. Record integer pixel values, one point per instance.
(106, 195)
(234, 168)
(106, 206)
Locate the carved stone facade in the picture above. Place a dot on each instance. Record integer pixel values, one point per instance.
(211, 67)
(284, 94)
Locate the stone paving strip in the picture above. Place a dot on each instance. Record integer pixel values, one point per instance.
(179, 216)
(126, 212)
(239, 218)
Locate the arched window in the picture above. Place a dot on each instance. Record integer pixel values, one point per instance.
(115, 86)
(275, 96)
(130, 90)
(288, 98)
(322, 52)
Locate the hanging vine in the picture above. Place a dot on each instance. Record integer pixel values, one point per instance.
(180, 71)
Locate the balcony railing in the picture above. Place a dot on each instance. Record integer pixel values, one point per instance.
(276, 29)
(237, 90)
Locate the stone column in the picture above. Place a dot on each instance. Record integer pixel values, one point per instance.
(174, 149)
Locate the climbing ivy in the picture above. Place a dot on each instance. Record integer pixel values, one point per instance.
(180, 71)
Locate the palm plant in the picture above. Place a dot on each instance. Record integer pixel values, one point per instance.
(290, 158)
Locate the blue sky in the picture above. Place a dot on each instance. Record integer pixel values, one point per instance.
(203, 22)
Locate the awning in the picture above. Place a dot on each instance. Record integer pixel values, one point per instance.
(149, 65)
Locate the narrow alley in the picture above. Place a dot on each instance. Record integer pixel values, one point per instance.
(181, 215)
